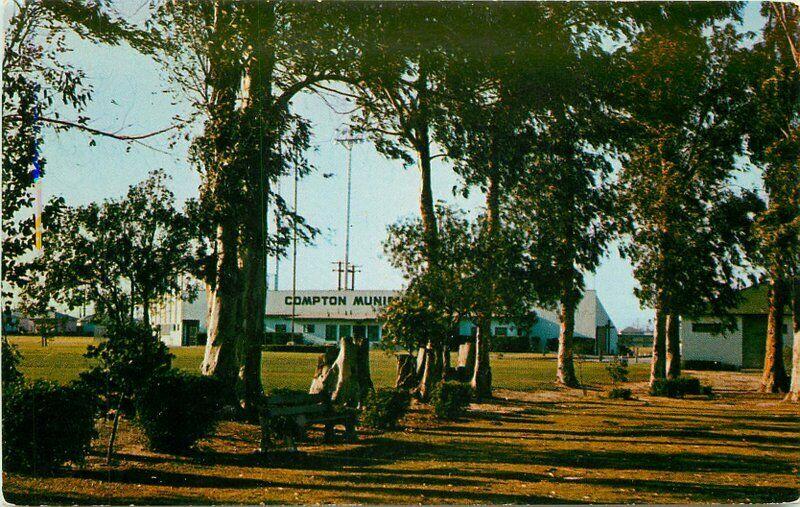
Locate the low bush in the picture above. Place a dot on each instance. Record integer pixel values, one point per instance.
(511, 344)
(708, 366)
(10, 359)
(619, 393)
(176, 409)
(451, 399)
(384, 407)
(617, 369)
(678, 387)
(282, 427)
(46, 425)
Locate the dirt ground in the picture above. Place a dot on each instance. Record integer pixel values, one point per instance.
(554, 446)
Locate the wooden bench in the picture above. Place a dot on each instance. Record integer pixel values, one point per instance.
(305, 410)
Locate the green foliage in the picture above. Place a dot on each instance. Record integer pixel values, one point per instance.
(282, 427)
(679, 387)
(411, 320)
(126, 361)
(39, 82)
(383, 408)
(116, 255)
(45, 425)
(684, 88)
(450, 400)
(617, 369)
(176, 409)
(10, 359)
(619, 393)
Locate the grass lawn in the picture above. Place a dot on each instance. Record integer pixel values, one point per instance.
(528, 445)
(62, 360)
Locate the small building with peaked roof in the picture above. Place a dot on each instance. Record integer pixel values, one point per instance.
(738, 341)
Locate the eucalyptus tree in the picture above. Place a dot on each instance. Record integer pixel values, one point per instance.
(564, 205)
(42, 91)
(241, 65)
(682, 99)
(773, 128)
(546, 61)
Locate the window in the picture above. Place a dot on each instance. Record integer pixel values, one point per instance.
(280, 328)
(373, 333)
(310, 328)
(707, 327)
(501, 331)
(330, 332)
(344, 330)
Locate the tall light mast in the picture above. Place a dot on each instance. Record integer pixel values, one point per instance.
(348, 140)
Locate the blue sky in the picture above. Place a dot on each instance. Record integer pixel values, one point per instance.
(129, 96)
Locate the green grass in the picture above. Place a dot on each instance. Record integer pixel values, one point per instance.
(63, 359)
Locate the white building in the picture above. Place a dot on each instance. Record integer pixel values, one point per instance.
(707, 339)
(178, 319)
(323, 316)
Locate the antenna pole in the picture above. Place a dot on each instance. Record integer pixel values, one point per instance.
(349, 188)
(294, 252)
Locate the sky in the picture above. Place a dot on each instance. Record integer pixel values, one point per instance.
(129, 97)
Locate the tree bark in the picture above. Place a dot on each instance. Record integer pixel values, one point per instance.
(482, 376)
(794, 388)
(774, 378)
(673, 346)
(220, 358)
(363, 376)
(429, 371)
(466, 359)
(406, 372)
(223, 182)
(565, 373)
(658, 361)
(426, 208)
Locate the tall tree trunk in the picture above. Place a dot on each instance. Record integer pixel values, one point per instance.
(794, 389)
(565, 373)
(223, 181)
(482, 377)
(658, 360)
(429, 371)
(220, 358)
(673, 346)
(774, 378)
(426, 208)
(249, 388)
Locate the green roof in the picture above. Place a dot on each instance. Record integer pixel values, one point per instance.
(754, 301)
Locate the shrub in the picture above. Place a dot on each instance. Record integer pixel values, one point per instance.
(617, 369)
(384, 407)
(10, 359)
(451, 399)
(282, 427)
(619, 393)
(677, 387)
(126, 361)
(511, 344)
(177, 409)
(45, 425)
(707, 365)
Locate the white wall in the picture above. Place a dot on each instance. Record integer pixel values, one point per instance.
(725, 348)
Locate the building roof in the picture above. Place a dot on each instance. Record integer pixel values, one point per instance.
(631, 330)
(754, 301)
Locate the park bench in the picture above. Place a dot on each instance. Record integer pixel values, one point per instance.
(305, 410)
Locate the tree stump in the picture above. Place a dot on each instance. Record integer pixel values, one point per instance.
(406, 372)
(466, 360)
